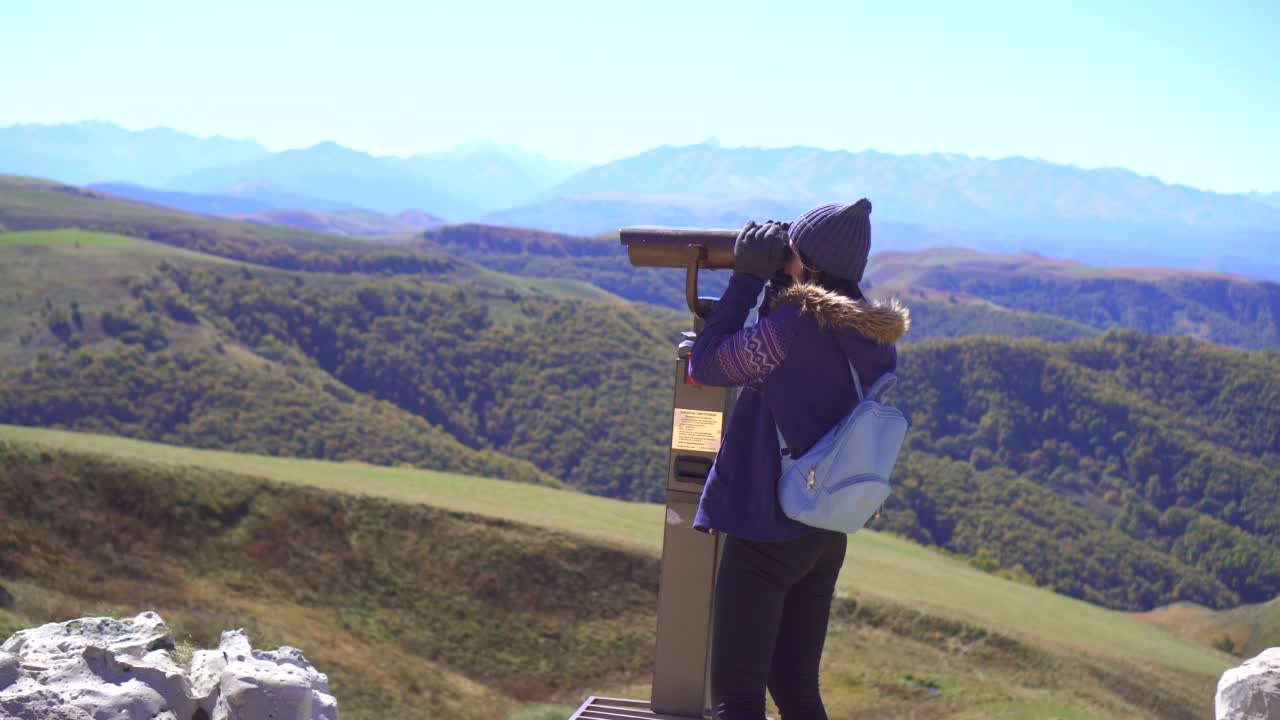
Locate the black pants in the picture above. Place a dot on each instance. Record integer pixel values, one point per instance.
(772, 603)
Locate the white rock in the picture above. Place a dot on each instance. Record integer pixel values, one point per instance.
(276, 684)
(28, 701)
(324, 707)
(105, 669)
(62, 641)
(254, 689)
(286, 655)
(235, 645)
(162, 660)
(111, 685)
(1252, 690)
(206, 673)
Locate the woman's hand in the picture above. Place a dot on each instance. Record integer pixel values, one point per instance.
(761, 250)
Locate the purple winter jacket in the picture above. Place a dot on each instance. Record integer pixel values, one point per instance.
(794, 368)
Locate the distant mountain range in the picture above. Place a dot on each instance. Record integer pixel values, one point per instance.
(459, 183)
(492, 176)
(1108, 216)
(96, 151)
(948, 190)
(331, 172)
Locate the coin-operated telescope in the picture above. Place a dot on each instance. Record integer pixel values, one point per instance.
(686, 586)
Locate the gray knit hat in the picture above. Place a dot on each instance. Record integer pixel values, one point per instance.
(835, 238)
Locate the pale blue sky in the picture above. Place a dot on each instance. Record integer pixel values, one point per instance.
(1189, 92)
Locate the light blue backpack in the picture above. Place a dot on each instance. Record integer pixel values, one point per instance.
(844, 478)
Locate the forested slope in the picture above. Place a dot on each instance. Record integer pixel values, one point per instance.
(207, 397)
(954, 292)
(1169, 441)
(1076, 432)
(1222, 308)
(576, 388)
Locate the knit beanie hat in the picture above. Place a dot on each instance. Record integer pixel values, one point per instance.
(835, 238)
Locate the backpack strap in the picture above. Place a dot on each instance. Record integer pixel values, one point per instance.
(877, 391)
(857, 384)
(882, 386)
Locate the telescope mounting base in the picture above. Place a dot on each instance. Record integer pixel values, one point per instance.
(608, 708)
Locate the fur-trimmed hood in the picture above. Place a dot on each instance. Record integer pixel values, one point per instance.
(883, 322)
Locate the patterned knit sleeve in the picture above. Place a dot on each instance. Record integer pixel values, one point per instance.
(745, 357)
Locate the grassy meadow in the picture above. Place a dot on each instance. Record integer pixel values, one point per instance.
(1249, 629)
(28, 203)
(88, 261)
(908, 620)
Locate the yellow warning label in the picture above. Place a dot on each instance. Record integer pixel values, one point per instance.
(696, 430)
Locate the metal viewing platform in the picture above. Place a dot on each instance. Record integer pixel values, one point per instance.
(607, 708)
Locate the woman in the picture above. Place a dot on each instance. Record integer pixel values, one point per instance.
(777, 576)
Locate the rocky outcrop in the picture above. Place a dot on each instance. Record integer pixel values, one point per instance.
(102, 668)
(1252, 690)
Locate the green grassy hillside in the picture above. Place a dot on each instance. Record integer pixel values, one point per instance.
(51, 276)
(904, 572)
(1131, 431)
(411, 610)
(58, 282)
(34, 204)
(73, 288)
(578, 389)
(1246, 630)
(502, 593)
(533, 406)
(1160, 484)
(28, 203)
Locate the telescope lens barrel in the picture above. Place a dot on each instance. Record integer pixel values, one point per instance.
(669, 247)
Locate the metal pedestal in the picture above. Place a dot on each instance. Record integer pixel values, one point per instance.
(682, 653)
(605, 708)
(686, 586)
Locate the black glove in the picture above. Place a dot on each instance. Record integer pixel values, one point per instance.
(760, 250)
